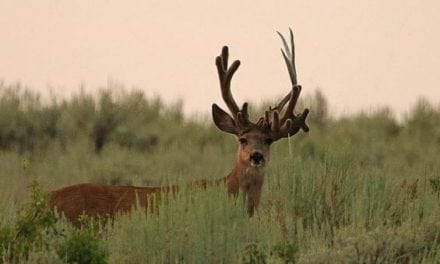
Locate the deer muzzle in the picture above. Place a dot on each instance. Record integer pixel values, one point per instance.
(257, 159)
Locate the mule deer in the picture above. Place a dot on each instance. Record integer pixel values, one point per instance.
(247, 174)
(256, 138)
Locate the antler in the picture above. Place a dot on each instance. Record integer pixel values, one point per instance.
(241, 117)
(288, 124)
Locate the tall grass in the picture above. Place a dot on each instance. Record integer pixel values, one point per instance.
(359, 189)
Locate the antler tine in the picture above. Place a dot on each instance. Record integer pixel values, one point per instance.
(290, 127)
(289, 56)
(289, 59)
(225, 76)
(289, 124)
(283, 101)
(275, 126)
(296, 122)
(294, 94)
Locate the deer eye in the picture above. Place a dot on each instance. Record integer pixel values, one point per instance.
(268, 141)
(243, 141)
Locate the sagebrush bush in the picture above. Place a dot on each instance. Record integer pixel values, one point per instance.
(362, 188)
(33, 230)
(83, 246)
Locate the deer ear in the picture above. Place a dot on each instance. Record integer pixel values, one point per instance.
(223, 120)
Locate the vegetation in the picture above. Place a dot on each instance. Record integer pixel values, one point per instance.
(357, 189)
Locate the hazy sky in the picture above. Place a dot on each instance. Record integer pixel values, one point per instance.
(359, 53)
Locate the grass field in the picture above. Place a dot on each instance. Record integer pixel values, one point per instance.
(358, 189)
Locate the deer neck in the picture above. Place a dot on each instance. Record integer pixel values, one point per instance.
(245, 178)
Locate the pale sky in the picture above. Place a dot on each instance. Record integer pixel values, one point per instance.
(361, 54)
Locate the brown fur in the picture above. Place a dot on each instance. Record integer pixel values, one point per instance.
(244, 176)
(250, 182)
(96, 200)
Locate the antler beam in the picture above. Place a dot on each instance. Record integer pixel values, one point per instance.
(288, 124)
(225, 74)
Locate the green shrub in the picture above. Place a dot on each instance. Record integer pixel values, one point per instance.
(33, 229)
(5, 240)
(257, 253)
(284, 252)
(254, 253)
(83, 246)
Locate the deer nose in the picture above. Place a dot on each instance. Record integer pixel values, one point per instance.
(257, 157)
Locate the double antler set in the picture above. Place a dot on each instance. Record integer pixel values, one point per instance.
(280, 126)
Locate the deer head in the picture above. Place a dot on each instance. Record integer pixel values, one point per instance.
(255, 138)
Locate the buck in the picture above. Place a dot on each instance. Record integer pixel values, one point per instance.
(255, 139)
(247, 175)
